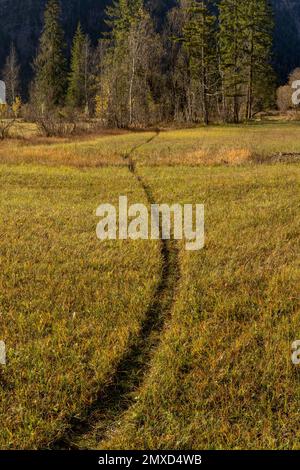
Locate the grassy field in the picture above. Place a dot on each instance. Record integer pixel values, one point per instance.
(222, 377)
(72, 307)
(211, 146)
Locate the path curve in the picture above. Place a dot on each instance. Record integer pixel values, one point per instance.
(115, 399)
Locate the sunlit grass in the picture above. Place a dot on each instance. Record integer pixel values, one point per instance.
(222, 377)
(197, 146)
(70, 305)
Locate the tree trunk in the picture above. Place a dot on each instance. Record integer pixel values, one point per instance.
(131, 91)
(250, 83)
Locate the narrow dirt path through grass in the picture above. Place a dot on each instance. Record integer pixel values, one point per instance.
(105, 414)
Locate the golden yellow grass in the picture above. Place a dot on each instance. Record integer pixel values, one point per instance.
(23, 130)
(222, 377)
(80, 155)
(227, 145)
(223, 156)
(70, 305)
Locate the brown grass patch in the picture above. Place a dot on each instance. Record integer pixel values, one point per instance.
(225, 156)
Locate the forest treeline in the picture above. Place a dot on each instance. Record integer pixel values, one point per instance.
(211, 62)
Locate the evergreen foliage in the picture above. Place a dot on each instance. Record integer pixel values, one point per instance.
(50, 63)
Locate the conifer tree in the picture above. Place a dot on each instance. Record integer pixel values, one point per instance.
(199, 38)
(79, 78)
(232, 52)
(50, 63)
(258, 30)
(245, 42)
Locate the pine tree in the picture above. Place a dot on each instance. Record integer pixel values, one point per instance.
(258, 30)
(121, 16)
(176, 66)
(199, 40)
(11, 75)
(245, 42)
(232, 52)
(78, 76)
(50, 63)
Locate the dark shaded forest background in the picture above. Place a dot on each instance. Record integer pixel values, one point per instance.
(21, 23)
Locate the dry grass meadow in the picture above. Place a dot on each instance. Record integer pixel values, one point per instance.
(75, 312)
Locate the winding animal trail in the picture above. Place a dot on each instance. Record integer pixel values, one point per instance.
(105, 413)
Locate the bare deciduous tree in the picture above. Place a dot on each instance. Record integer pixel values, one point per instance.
(11, 75)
